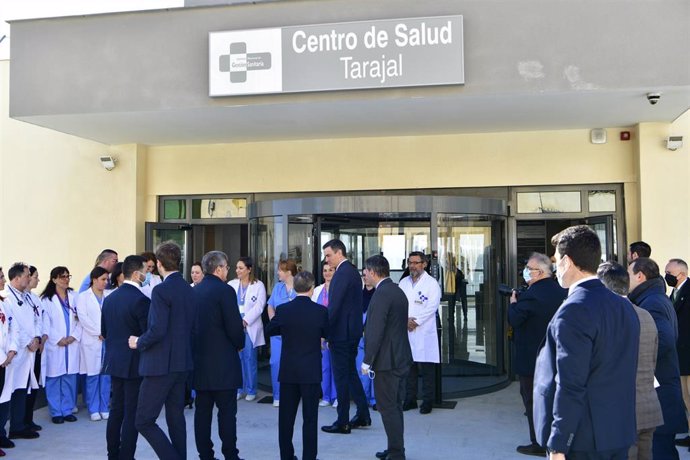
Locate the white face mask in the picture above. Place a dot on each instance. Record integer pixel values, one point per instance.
(526, 275)
(561, 273)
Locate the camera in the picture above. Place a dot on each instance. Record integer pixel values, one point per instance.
(653, 98)
(507, 291)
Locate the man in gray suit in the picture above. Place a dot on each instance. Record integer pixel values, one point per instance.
(647, 407)
(387, 354)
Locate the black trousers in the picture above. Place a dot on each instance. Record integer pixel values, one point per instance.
(226, 400)
(290, 395)
(154, 393)
(31, 397)
(120, 433)
(389, 387)
(620, 454)
(343, 356)
(427, 370)
(526, 385)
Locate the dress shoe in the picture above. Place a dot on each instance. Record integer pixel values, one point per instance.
(425, 409)
(409, 405)
(70, 418)
(532, 449)
(33, 427)
(358, 422)
(336, 429)
(24, 434)
(5, 443)
(58, 420)
(685, 442)
(382, 454)
(374, 408)
(2, 453)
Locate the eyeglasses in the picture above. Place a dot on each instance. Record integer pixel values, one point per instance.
(414, 262)
(65, 277)
(533, 269)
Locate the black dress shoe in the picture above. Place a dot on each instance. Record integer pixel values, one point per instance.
(358, 422)
(5, 443)
(24, 434)
(374, 408)
(685, 442)
(336, 429)
(70, 418)
(58, 420)
(532, 449)
(382, 454)
(409, 405)
(33, 427)
(425, 409)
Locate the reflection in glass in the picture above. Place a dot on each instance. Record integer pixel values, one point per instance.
(267, 241)
(219, 208)
(174, 209)
(548, 202)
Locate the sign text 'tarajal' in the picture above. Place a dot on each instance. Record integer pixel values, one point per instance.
(327, 57)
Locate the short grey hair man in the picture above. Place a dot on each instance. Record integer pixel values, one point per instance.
(542, 261)
(212, 260)
(303, 282)
(615, 277)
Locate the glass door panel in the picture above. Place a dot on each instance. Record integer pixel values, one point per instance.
(604, 228)
(301, 242)
(156, 233)
(267, 243)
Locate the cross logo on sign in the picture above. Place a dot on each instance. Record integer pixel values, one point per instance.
(238, 62)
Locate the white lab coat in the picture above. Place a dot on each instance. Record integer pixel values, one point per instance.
(23, 325)
(148, 289)
(39, 319)
(53, 364)
(254, 303)
(8, 336)
(423, 299)
(90, 346)
(317, 293)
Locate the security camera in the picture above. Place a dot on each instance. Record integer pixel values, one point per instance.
(108, 162)
(653, 98)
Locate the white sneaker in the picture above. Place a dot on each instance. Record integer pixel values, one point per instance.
(324, 403)
(250, 397)
(239, 396)
(95, 417)
(276, 403)
(105, 415)
(335, 403)
(75, 410)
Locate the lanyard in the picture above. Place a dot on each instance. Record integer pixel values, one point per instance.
(65, 304)
(241, 294)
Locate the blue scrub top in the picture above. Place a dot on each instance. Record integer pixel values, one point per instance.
(280, 295)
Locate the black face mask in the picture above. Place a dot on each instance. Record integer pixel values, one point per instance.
(671, 280)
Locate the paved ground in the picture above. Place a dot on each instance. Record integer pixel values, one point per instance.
(482, 427)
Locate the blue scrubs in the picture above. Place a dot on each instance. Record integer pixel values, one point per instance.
(327, 378)
(279, 296)
(97, 389)
(61, 391)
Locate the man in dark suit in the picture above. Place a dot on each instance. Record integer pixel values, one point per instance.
(676, 277)
(219, 333)
(166, 356)
(302, 324)
(584, 380)
(647, 290)
(345, 330)
(124, 314)
(387, 354)
(529, 314)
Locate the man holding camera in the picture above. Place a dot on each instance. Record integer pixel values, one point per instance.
(529, 314)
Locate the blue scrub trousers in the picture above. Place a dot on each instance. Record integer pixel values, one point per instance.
(60, 393)
(327, 379)
(248, 359)
(276, 348)
(97, 393)
(367, 383)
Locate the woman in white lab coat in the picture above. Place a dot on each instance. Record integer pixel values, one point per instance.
(61, 352)
(320, 296)
(89, 305)
(8, 350)
(251, 299)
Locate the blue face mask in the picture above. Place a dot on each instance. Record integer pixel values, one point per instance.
(147, 280)
(526, 275)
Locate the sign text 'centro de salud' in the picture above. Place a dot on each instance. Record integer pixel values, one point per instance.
(327, 57)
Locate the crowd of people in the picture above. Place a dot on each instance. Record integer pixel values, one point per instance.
(602, 352)
(136, 337)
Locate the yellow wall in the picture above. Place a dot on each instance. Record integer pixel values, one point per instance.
(58, 206)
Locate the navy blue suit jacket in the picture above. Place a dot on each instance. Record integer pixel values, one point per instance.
(529, 317)
(584, 381)
(302, 323)
(218, 335)
(166, 346)
(124, 313)
(345, 304)
(651, 296)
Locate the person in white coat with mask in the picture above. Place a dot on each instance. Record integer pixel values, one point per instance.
(424, 297)
(62, 348)
(251, 299)
(89, 305)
